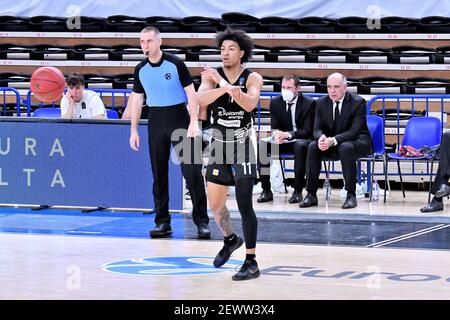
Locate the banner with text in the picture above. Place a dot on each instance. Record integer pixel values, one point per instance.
(78, 164)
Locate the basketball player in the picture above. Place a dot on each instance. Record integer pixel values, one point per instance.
(232, 92)
(79, 103)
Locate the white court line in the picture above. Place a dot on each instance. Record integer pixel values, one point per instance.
(405, 235)
(443, 227)
(84, 232)
(408, 235)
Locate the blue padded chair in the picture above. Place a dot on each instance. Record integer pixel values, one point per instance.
(375, 125)
(112, 114)
(419, 132)
(56, 113)
(47, 113)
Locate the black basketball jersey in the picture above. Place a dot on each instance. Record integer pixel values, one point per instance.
(228, 118)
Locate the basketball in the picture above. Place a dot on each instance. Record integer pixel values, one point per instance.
(47, 84)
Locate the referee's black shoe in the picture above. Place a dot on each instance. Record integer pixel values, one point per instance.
(161, 230)
(249, 270)
(225, 253)
(203, 231)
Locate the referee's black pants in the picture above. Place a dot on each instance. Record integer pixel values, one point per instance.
(162, 123)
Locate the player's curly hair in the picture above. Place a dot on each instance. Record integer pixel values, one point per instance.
(241, 38)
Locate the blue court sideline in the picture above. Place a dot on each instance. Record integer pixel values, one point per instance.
(320, 231)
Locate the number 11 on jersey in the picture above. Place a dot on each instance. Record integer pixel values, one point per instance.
(247, 167)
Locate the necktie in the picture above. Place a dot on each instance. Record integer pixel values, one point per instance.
(289, 109)
(336, 113)
(289, 116)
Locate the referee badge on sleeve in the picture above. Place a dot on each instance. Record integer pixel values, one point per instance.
(215, 172)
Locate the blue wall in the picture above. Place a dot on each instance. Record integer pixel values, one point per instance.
(88, 164)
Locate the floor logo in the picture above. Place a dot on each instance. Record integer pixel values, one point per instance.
(170, 266)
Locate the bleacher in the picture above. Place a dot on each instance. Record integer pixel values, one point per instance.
(404, 56)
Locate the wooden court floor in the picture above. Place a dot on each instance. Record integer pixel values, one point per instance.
(84, 267)
(387, 251)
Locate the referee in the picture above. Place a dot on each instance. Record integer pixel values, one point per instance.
(168, 86)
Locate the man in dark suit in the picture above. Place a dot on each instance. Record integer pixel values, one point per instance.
(340, 133)
(292, 121)
(440, 187)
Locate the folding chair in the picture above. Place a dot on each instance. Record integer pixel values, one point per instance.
(419, 132)
(47, 113)
(112, 114)
(375, 125)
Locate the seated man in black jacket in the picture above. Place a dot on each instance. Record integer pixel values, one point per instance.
(340, 133)
(292, 120)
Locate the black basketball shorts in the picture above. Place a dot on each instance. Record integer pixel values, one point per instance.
(231, 161)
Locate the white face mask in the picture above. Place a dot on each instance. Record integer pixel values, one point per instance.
(288, 95)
